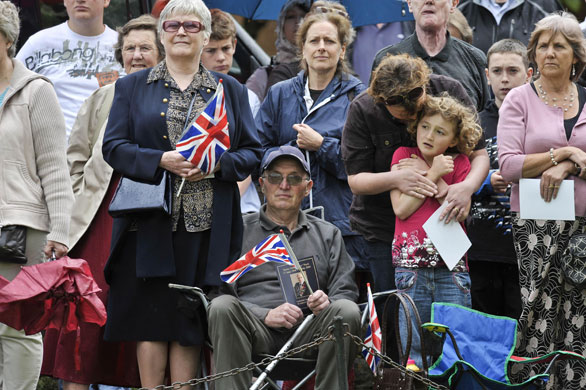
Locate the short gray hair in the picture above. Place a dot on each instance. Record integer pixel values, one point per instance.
(9, 25)
(187, 7)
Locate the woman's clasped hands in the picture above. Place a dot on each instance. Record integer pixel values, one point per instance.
(175, 163)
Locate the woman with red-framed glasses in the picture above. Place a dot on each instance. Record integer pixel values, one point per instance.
(203, 232)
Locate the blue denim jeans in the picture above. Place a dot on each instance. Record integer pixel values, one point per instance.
(374, 256)
(425, 286)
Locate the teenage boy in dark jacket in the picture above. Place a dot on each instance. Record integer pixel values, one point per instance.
(491, 259)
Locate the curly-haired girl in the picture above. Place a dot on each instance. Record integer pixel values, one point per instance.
(446, 132)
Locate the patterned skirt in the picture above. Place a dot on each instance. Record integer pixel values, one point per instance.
(553, 311)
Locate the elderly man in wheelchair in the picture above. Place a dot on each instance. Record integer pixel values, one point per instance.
(254, 316)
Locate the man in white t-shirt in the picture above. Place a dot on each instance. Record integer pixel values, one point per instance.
(77, 55)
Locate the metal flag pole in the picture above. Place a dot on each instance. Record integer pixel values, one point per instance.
(283, 349)
(294, 259)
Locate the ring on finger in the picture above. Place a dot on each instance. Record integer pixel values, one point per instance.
(457, 210)
(417, 189)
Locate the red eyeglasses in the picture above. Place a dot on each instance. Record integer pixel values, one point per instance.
(190, 26)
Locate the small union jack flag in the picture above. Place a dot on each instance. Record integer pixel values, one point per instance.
(373, 334)
(270, 249)
(207, 138)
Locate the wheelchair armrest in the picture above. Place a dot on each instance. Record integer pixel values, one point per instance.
(193, 292)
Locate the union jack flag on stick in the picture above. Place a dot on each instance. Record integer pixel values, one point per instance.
(207, 138)
(294, 259)
(373, 334)
(270, 249)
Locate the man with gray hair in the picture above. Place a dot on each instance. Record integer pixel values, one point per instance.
(254, 317)
(442, 53)
(76, 55)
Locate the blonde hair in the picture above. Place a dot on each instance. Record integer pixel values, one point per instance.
(563, 23)
(458, 21)
(344, 30)
(467, 130)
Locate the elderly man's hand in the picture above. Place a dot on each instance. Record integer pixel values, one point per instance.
(318, 301)
(284, 316)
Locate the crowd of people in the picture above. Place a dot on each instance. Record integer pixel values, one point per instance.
(344, 148)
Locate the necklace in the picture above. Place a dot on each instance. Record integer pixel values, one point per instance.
(566, 103)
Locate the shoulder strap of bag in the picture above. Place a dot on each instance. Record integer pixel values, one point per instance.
(399, 303)
(419, 330)
(406, 303)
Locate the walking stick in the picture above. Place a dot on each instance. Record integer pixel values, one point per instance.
(283, 349)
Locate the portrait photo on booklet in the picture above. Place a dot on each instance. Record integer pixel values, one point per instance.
(294, 286)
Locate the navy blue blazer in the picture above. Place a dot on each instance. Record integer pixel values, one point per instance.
(134, 141)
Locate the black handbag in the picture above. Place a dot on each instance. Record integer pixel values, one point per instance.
(393, 378)
(573, 261)
(134, 196)
(13, 244)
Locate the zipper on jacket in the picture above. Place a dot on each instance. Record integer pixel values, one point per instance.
(321, 104)
(512, 28)
(312, 109)
(494, 32)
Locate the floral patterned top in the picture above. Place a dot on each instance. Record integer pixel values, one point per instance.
(196, 199)
(411, 246)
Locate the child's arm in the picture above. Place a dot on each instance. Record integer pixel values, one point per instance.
(461, 170)
(404, 205)
(418, 163)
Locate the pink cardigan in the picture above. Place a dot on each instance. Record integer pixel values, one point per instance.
(526, 126)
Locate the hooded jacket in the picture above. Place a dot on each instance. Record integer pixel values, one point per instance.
(35, 190)
(285, 106)
(517, 23)
(258, 82)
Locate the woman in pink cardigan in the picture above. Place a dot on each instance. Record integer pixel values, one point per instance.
(542, 134)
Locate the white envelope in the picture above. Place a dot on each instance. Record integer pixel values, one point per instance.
(532, 205)
(450, 239)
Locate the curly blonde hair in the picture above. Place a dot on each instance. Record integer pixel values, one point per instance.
(468, 131)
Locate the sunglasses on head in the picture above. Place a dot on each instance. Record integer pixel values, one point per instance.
(190, 26)
(324, 10)
(277, 178)
(411, 96)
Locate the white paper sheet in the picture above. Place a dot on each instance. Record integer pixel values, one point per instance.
(532, 205)
(450, 239)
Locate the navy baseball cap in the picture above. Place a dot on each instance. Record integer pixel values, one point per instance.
(288, 151)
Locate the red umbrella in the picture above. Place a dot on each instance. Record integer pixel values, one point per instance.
(55, 294)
